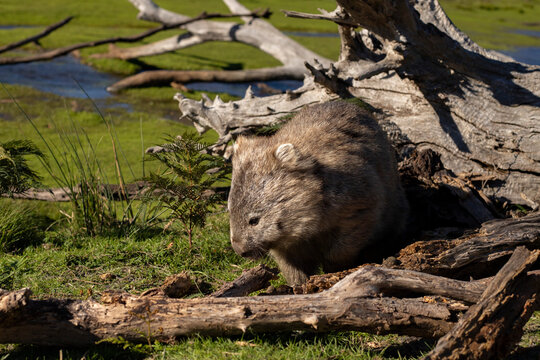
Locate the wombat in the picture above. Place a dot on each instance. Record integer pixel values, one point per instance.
(318, 192)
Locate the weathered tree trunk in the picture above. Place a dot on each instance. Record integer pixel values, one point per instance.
(435, 87)
(492, 327)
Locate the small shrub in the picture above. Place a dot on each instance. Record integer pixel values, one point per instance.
(20, 227)
(186, 186)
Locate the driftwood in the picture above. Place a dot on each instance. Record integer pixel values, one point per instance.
(491, 328)
(431, 86)
(51, 54)
(253, 32)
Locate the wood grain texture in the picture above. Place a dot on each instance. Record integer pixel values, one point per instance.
(491, 328)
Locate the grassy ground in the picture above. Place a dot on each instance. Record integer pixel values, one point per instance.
(66, 263)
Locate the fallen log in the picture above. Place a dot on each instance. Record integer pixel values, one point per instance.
(344, 307)
(352, 304)
(254, 32)
(380, 281)
(491, 328)
(112, 191)
(166, 77)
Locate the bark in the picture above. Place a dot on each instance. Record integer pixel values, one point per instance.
(254, 32)
(251, 280)
(344, 307)
(438, 198)
(475, 255)
(438, 89)
(35, 38)
(174, 286)
(492, 328)
(381, 281)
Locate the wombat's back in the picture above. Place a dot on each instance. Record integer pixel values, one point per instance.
(320, 191)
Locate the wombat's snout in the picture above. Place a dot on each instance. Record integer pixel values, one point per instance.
(243, 249)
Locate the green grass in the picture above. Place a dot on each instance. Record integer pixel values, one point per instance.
(136, 263)
(493, 23)
(21, 226)
(54, 115)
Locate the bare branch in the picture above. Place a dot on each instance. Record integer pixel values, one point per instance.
(328, 16)
(165, 77)
(36, 37)
(126, 39)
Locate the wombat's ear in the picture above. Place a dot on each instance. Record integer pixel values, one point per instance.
(289, 156)
(237, 143)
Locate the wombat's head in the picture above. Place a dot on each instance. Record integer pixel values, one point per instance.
(275, 199)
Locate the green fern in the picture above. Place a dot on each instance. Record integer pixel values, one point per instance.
(186, 186)
(15, 174)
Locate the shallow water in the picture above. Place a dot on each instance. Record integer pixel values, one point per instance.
(527, 55)
(64, 76)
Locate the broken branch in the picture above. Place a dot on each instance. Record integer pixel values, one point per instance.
(329, 17)
(251, 280)
(36, 37)
(491, 328)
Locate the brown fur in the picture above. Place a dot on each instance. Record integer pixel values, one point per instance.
(318, 192)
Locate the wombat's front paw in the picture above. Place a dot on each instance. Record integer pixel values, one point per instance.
(294, 276)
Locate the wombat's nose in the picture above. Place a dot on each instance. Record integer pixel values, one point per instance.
(243, 250)
(237, 247)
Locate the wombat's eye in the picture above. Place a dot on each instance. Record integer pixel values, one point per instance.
(253, 221)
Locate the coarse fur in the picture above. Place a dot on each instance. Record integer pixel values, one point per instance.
(318, 192)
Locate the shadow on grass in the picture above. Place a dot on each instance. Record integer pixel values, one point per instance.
(97, 352)
(411, 348)
(328, 345)
(530, 353)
